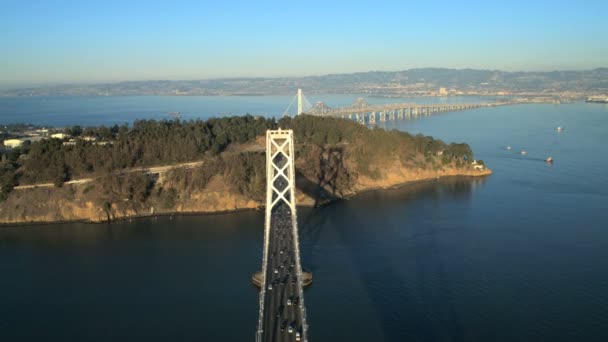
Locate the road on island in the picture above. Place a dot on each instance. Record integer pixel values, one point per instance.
(150, 169)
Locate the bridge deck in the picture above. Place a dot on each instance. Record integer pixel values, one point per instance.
(360, 106)
(282, 298)
(282, 312)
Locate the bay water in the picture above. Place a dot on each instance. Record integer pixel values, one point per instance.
(521, 255)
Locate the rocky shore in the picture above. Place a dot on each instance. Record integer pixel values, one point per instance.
(72, 203)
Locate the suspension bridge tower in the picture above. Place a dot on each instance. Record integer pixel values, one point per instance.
(282, 315)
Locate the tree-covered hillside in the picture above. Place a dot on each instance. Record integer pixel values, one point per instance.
(330, 151)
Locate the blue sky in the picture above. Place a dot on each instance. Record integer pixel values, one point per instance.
(100, 41)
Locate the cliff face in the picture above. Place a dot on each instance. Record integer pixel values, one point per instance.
(335, 159)
(80, 202)
(396, 176)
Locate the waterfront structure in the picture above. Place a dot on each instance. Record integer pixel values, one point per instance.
(282, 315)
(598, 99)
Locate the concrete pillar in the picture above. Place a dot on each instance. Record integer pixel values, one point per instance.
(360, 118)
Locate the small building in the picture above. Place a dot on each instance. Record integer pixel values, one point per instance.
(12, 143)
(60, 135)
(478, 165)
(443, 91)
(89, 138)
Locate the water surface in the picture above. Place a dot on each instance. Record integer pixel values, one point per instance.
(519, 256)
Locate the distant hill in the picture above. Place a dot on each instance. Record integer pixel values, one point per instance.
(373, 82)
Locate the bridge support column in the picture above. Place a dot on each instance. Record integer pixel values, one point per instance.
(382, 117)
(372, 118)
(391, 115)
(360, 118)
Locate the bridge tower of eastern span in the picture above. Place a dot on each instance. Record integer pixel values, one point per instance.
(282, 315)
(300, 104)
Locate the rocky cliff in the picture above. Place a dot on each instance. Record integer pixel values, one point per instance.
(78, 202)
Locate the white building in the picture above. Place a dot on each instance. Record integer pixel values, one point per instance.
(12, 143)
(60, 135)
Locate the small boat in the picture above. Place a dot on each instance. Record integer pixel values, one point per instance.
(509, 148)
(549, 160)
(559, 128)
(523, 153)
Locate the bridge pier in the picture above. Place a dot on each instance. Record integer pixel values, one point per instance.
(382, 117)
(372, 118)
(360, 118)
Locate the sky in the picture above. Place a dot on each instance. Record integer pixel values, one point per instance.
(49, 42)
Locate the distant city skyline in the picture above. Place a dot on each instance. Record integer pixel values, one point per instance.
(112, 41)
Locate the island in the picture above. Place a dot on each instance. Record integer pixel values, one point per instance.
(99, 174)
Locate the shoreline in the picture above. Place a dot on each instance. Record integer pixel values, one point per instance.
(487, 172)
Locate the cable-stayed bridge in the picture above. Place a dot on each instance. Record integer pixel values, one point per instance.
(366, 113)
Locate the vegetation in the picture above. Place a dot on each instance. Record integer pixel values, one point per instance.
(330, 152)
(371, 148)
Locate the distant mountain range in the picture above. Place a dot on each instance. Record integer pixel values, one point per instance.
(412, 81)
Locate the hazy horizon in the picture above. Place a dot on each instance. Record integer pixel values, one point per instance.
(72, 43)
(93, 82)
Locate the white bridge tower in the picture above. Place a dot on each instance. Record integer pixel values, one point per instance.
(300, 104)
(282, 315)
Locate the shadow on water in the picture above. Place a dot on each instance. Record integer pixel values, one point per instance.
(420, 305)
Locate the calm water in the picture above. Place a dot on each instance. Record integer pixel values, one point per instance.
(99, 110)
(519, 256)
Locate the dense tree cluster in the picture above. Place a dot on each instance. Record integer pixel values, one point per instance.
(369, 147)
(322, 146)
(146, 142)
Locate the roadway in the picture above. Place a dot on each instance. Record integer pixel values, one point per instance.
(145, 169)
(282, 319)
